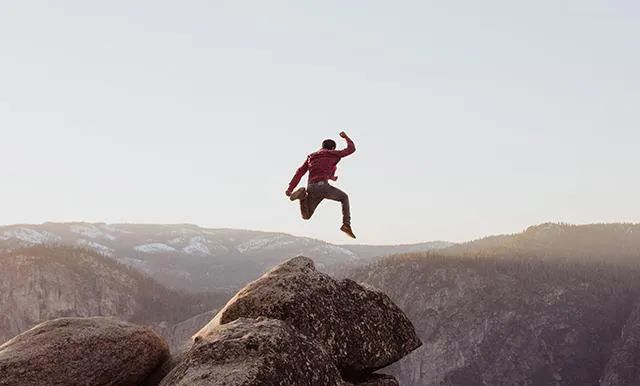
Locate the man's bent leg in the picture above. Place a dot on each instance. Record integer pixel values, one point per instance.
(309, 204)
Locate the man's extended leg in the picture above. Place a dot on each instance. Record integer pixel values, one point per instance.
(335, 194)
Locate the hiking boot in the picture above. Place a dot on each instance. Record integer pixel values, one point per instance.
(347, 229)
(298, 194)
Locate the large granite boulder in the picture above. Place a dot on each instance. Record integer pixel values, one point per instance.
(81, 351)
(360, 328)
(256, 352)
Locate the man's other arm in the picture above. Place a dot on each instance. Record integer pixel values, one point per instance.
(296, 178)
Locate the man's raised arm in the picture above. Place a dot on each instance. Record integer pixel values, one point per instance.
(296, 178)
(351, 147)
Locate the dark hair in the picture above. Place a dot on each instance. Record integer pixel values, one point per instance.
(329, 144)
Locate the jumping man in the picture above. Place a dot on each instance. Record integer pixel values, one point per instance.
(321, 166)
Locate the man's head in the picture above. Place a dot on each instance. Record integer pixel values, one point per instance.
(329, 144)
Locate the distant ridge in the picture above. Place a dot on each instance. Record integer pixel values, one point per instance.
(619, 241)
(193, 258)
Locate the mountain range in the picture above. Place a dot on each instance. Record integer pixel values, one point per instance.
(196, 259)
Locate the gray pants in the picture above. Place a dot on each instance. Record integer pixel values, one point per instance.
(318, 192)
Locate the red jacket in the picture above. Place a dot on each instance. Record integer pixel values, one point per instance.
(321, 165)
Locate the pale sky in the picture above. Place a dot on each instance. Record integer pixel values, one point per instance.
(471, 117)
